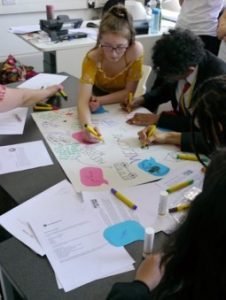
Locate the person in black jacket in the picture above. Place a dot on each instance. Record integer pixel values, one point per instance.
(193, 264)
(209, 116)
(179, 59)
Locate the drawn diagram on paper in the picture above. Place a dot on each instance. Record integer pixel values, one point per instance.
(118, 162)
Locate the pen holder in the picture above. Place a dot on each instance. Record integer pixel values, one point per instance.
(49, 12)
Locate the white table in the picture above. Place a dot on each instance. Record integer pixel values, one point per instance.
(68, 55)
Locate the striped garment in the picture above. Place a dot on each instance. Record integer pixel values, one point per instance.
(2, 92)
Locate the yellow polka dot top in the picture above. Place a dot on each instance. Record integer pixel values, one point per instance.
(92, 73)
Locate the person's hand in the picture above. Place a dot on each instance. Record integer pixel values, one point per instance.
(159, 138)
(52, 90)
(146, 134)
(149, 271)
(142, 119)
(136, 102)
(91, 138)
(94, 103)
(221, 29)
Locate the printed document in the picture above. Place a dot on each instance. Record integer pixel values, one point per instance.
(58, 198)
(42, 80)
(24, 156)
(76, 249)
(146, 198)
(13, 121)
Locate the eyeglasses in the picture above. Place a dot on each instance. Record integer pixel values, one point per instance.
(117, 49)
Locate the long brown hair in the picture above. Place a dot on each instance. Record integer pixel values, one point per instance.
(117, 20)
(210, 112)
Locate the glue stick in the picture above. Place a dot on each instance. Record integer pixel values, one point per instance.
(148, 241)
(163, 203)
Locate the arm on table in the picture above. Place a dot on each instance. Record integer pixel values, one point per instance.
(26, 97)
(147, 278)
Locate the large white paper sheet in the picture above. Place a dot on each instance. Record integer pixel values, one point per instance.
(42, 80)
(13, 121)
(118, 162)
(58, 198)
(113, 211)
(24, 156)
(146, 197)
(76, 249)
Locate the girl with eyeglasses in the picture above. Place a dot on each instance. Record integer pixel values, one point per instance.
(112, 69)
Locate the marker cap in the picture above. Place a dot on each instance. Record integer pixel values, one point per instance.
(163, 203)
(148, 241)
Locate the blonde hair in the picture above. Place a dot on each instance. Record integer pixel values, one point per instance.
(117, 20)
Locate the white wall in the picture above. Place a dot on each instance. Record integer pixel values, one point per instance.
(172, 5)
(11, 44)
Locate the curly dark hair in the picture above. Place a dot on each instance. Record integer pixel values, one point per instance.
(176, 51)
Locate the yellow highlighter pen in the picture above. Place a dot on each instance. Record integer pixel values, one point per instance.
(190, 156)
(91, 130)
(130, 98)
(43, 108)
(186, 156)
(180, 207)
(179, 186)
(150, 132)
(124, 199)
(63, 94)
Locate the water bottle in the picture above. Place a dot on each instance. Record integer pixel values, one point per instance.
(159, 5)
(155, 20)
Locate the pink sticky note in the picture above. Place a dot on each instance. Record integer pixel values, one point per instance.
(92, 176)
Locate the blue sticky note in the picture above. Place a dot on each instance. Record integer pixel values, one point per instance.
(100, 110)
(152, 167)
(124, 233)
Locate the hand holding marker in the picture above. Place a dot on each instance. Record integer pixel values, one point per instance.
(62, 94)
(151, 130)
(43, 106)
(92, 131)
